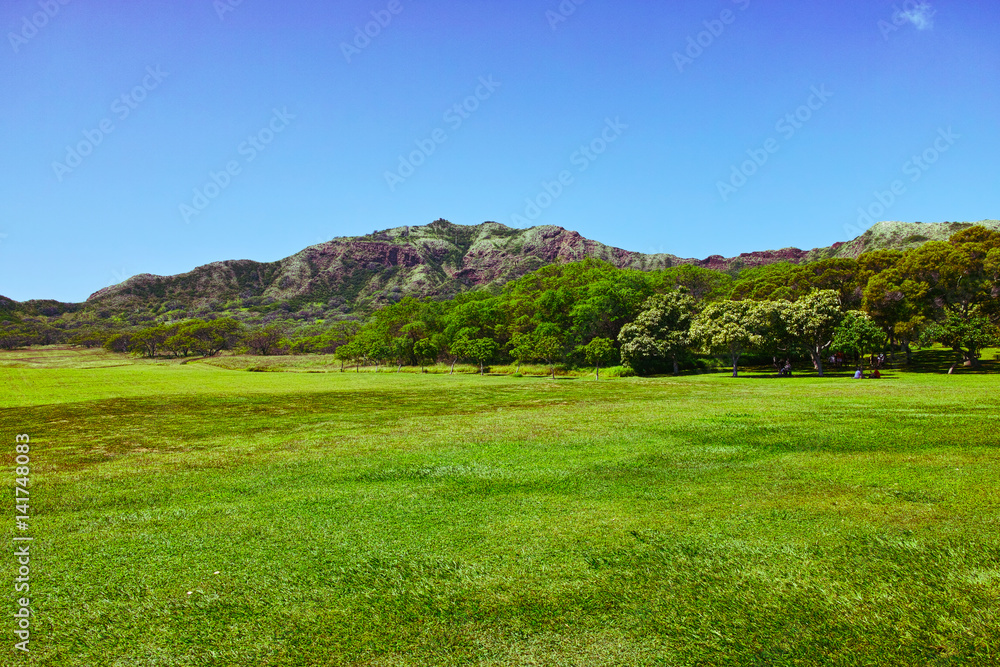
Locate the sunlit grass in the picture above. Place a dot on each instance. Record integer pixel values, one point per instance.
(406, 519)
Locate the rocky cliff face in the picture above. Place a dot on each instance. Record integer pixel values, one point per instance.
(443, 259)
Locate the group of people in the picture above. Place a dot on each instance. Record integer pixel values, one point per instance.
(837, 360)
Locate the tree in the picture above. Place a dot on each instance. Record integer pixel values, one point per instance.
(264, 341)
(215, 336)
(812, 321)
(661, 332)
(770, 320)
(727, 327)
(967, 336)
(895, 304)
(548, 345)
(426, 352)
(859, 334)
(782, 281)
(374, 344)
(479, 350)
(482, 351)
(13, 336)
(119, 342)
(349, 352)
(180, 344)
(599, 351)
(148, 341)
(522, 349)
(89, 338)
(703, 284)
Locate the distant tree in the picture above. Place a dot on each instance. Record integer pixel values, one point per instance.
(349, 352)
(215, 336)
(660, 334)
(729, 328)
(549, 346)
(180, 344)
(482, 351)
(703, 284)
(148, 341)
(599, 351)
(264, 341)
(375, 344)
(89, 338)
(119, 342)
(782, 281)
(479, 350)
(859, 334)
(896, 305)
(522, 349)
(966, 336)
(812, 321)
(426, 352)
(770, 320)
(13, 336)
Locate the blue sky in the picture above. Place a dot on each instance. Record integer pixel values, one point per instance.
(694, 128)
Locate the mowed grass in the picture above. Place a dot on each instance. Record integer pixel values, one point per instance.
(400, 519)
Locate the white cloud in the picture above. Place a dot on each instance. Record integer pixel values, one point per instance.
(920, 14)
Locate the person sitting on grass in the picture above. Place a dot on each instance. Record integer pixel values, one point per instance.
(876, 375)
(859, 375)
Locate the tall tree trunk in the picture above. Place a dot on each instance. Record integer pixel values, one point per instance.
(598, 368)
(399, 368)
(677, 368)
(818, 361)
(518, 366)
(736, 361)
(453, 366)
(481, 371)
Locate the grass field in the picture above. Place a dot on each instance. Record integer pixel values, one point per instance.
(189, 514)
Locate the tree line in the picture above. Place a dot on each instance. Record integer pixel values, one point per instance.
(591, 313)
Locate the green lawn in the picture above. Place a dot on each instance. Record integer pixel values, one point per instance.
(195, 515)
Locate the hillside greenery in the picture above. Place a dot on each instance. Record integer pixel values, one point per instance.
(940, 292)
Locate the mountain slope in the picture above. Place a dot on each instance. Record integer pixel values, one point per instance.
(443, 259)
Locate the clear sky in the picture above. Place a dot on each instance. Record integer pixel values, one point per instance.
(115, 112)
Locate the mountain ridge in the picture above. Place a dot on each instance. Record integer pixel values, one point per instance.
(443, 259)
